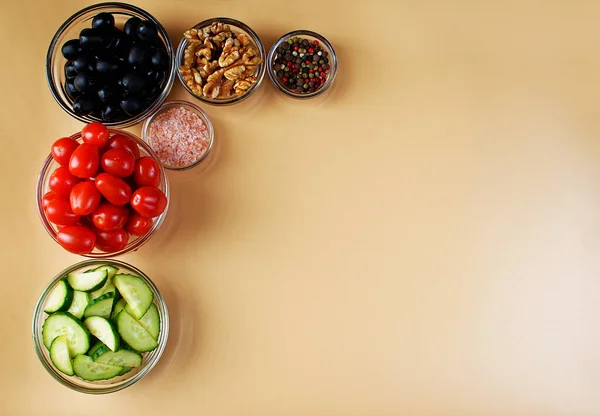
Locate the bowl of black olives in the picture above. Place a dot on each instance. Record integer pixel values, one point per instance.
(111, 62)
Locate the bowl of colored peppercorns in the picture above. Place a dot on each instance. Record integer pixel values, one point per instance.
(302, 64)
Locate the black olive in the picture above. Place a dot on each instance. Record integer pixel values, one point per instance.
(131, 27)
(138, 56)
(111, 113)
(147, 32)
(159, 58)
(132, 105)
(108, 66)
(103, 20)
(92, 39)
(156, 78)
(71, 49)
(108, 94)
(83, 105)
(83, 63)
(83, 81)
(134, 82)
(70, 70)
(71, 91)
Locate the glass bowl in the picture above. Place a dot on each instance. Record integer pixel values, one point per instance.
(196, 110)
(310, 36)
(116, 383)
(134, 242)
(70, 29)
(237, 27)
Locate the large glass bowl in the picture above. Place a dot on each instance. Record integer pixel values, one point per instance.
(116, 383)
(134, 242)
(55, 61)
(237, 27)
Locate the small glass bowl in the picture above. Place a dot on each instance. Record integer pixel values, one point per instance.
(196, 110)
(55, 61)
(237, 27)
(116, 383)
(310, 36)
(134, 242)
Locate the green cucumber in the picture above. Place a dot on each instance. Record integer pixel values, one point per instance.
(102, 329)
(118, 308)
(63, 323)
(151, 321)
(136, 293)
(89, 370)
(60, 298)
(80, 302)
(101, 306)
(124, 371)
(108, 286)
(97, 352)
(88, 281)
(124, 358)
(134, 334)
(59, 355)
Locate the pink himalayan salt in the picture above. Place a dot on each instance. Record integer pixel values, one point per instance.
(179, 137)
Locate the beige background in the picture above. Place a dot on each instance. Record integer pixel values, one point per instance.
(426, 245)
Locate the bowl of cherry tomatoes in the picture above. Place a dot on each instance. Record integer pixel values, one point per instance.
(102, 192)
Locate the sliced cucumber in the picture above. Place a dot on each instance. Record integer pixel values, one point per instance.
(89, 370)
(98, 351)
(124, 371)
(63, 323)
(102, 329)
(151, 321)
(108, 286)
(134, 334)
(101, 306)
(88, 281)
(60, 298)
(80, 302)
(136, 293)
(118, 308)
(59, 354)
(94, 348)
(124, 358)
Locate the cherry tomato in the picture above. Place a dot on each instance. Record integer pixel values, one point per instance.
(95, 134)
(149, 202)
(120, 141)
(62, 181)
(62, 149)
(146, 172)
(87, 223)
(138, 225)
(111, 241)
(84, 161)
(76, 239)
(118, 162)
(114, 189)
(59, 212)
(85, 198)
(110, 217)
(49, 196)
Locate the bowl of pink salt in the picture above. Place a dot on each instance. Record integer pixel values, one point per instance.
(180, 134)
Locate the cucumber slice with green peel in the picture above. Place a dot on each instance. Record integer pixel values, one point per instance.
(125, 371)
(101, 306)
(59, 355)
(124, 358)
(60, 298)
(136, 293)
(108, 287)
(112, 270)
(94, 348)
(98, 351)
(87, 281)
(80, 301)
(118, 308)
(134, 334)
(151, 321)
(63, 323)
(102, 329)
(89, 370)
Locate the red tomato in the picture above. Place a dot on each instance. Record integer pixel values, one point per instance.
(62, 149)
(49, 196)
(76, 239)
(114, 189)
(87, 223)
(62, 181)
(146, 172)
(110, 217)
(149, 202)
(118, 162)
(59, 212)
(84, 161)
(85, 198)
(111, 241)
(95, 134)
(120, 141)
(138, 225)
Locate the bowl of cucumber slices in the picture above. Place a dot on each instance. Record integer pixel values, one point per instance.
(100, 326)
